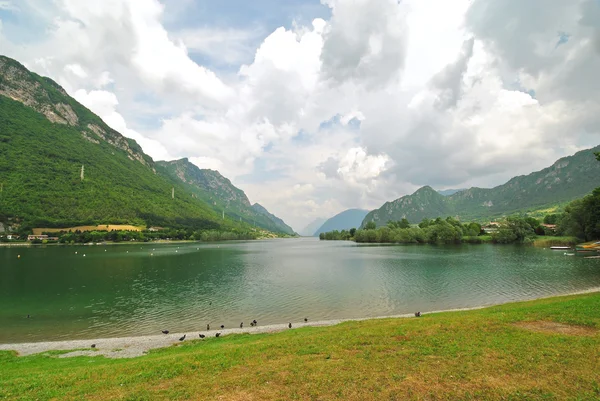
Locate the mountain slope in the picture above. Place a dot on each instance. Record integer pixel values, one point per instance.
(309, 230)
(567, 179)
(45, 139)
(346, 220)
(220, 194)
(282, 227)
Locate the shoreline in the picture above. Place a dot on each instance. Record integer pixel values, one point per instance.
(135, 346)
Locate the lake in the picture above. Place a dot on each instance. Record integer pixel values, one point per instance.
(140, 289)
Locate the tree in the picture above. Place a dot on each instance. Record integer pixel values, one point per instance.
(473, 229)
(582, 217)
(425, 223)
(352, 232)
(551, 218)
(370, 225)
(404, 223)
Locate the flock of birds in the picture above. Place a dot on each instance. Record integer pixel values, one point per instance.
(253, 323)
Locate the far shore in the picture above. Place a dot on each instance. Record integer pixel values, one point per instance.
(107, 243)
(135, 346)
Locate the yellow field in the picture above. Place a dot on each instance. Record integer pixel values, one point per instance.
(110, 227)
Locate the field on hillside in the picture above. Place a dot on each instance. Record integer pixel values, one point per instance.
(107, 227)
(540, 350)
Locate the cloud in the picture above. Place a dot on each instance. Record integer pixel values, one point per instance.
(229, 46)
(364, 41)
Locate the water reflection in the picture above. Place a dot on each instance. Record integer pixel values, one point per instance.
(142, 289)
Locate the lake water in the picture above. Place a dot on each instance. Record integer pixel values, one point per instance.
(127, 290)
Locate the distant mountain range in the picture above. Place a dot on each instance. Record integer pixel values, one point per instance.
(309, 230)
(346, 220)
(62, 166)
(567, 179)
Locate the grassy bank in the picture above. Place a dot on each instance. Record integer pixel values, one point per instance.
(546, 349)
(548, 241)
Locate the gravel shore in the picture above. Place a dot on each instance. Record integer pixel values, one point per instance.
(131, 347)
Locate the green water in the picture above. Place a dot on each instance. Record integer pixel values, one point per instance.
(138, 289)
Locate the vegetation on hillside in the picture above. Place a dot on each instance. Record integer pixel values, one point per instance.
(580, 221)
(221, 195)
(539, 350)
(45, 139)
(40, 167)
(567, 179)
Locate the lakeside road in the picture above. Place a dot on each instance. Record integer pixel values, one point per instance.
(136, 346)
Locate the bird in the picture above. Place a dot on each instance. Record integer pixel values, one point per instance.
(252, 324)
(93, 345)
(28, 316)
(305, 320)
(165, 331)
(417, 314)
(290, 325)
(182, 338)
(255, 322)
(201, 335)
(242, 325)
(217, 335)
(222, 326)
(208, 327)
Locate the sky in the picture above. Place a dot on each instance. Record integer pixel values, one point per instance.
(313, 107)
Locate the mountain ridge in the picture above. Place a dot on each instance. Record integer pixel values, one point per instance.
(61, 165)
(221, 195)
(568, 178)
(345, 220)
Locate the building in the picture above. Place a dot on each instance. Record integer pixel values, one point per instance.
(34, 237)
(491, 227)
(550, 227)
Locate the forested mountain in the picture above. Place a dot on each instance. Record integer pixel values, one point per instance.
(309, 230)
(346, 220)
(567, 179)
(221, 195)
(282, 227)
(45, 139)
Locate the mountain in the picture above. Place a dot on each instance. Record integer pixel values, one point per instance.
(61, 165)
(221, 195)
(448, 192)
(282, 227)
(346, 220)
(309, 230)
(567, 179)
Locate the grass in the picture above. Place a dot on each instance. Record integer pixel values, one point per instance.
(548, 241)
(104, 227)
(482, 354)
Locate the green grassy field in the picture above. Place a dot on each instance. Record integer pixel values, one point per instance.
(541, 350)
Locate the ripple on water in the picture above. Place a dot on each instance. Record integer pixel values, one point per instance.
(124, 291)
